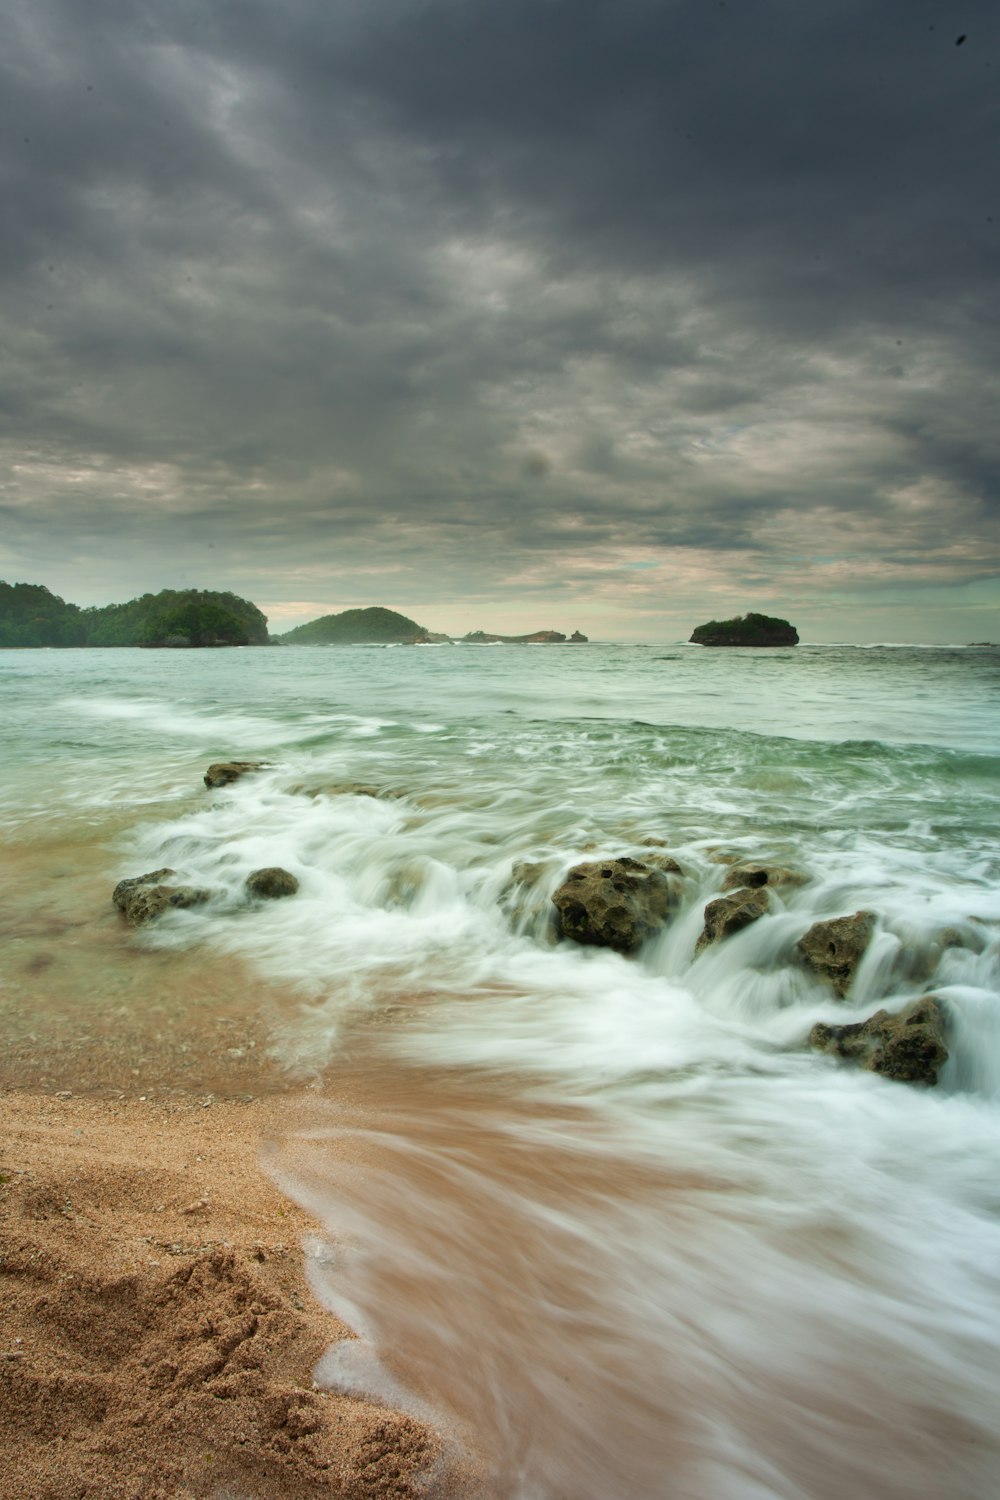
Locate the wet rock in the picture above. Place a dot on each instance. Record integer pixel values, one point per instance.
(141, 898)
(664, 862)
(728, 914)
(222, 772)
(719, 856)
(271, 883)
(125, 889)
(753, 874)
(908, 1045)
(834, 949)
(615, 903)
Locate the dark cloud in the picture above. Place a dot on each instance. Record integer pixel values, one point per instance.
(381, 299)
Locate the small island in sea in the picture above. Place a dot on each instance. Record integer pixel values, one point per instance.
(357, 627)
(746, 630)
(536, 638)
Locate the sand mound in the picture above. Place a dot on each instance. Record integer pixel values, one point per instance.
(157, 1338)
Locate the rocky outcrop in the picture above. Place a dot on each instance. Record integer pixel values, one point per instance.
(834, 949)
(729, 914)
(141, 898)
(755, 875)
(617, 903)
(578, 637)
(536, 638)
(271, 883)
(222, 772)
(908, 1045)
(746, 630)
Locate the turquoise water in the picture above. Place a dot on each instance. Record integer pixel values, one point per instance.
(618, 1221)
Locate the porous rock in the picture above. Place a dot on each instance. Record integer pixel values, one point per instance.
(125, 889)
(222, 772)
(615, 903)
(753, 874)
(271, 883)
(143, 897)
(728, 914)
(834, 949)
(908, 1045)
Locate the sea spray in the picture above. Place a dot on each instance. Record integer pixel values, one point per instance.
(612, 1217)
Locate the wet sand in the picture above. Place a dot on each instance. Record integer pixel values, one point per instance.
(158, 1335)
(157, 1332)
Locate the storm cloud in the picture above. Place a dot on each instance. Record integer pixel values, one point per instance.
(549, 312)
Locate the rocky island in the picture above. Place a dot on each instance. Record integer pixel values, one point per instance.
(746, 630)
(536, 638)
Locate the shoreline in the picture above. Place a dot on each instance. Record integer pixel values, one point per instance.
(158, 1333)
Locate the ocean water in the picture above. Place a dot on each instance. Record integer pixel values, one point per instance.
(607, 1217)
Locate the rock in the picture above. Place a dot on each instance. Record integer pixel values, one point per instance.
(615, 903)
(125, 889)
(579, 637)
(664, 862)
(719, 856)
(271, 883)
(729, 914)
(143, 897)
(908, 1045)
(222, 772)
(746, 630)
(834, 949)
(757, 875)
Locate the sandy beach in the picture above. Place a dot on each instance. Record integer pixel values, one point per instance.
(158, 1334)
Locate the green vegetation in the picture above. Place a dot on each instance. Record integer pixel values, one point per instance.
(31, 616)
(356, 627)
(746, 630)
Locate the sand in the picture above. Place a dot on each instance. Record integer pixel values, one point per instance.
(157, 1336)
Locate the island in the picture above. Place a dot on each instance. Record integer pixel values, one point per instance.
(536, 638)
(375, 626)
(30, 615)
(746, 630)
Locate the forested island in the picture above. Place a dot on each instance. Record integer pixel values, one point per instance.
(30, 615)
(746, 630)
(359, 627)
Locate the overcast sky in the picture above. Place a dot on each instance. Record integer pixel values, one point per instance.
(615, 315)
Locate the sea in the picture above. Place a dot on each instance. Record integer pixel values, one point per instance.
(607, 1218)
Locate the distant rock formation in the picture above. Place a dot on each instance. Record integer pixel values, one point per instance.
(746, 630)
(536, 638)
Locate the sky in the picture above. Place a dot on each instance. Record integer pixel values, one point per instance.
(610, 315)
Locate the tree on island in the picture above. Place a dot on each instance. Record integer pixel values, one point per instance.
(32, 616)
(357, 627)
(746, 630)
